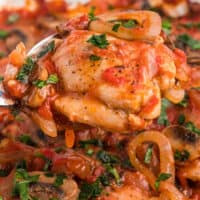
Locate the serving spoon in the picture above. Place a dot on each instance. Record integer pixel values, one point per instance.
(5, 100)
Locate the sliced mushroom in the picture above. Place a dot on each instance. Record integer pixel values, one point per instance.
(182, 139)
(43, 189)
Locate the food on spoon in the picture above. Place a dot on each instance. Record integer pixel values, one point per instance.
(94, 78)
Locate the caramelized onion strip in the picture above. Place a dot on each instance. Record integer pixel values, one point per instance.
(147, 27)
(167, 188)
(166, 155)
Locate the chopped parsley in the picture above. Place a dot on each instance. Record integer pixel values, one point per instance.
(90, 190)
(91, 13)
(90, 152)
(163, 118)
(21, 183)
(59, 180)
(52, 79)
(105, 179)
(130, 23)
(116, 27)
(127, 24)
(148, 155)
(166, 26)
(26, 139)
(1, 198)
(47, 49)
(48, 162)
(113, 171)
(26, 70)
(86, 143)
(3, 34)
(191, 127)
(181, 119)
(181, 155)
(161, 177)
(105, 157)
(1, 78)
(99, 41)
(189, 41)
(13, 18)
(94, 57)
(39, 83)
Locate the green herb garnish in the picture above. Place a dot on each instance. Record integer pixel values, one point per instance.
(26, 70)
(90, 191)
(13, 18)
(48, 162)
(86, 143)
(191, 127)
(21, 183)
(26, 139)
(47, 49)
(90, 152)
(161, 177)
(105, 157)
(129, 24)
(166, 26)
(113, 171)
(189, 41)
(39, 83)
(148, 155)
(181, 119)
(59, 180)
(91, 13)
(99, 41)
(94, 57)
(3, 34)
(163, 118)
(52, 79)
(181, 155)
(116, 27)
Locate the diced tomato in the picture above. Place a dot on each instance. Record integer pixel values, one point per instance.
(49, 65)
(15, 88)
(45, 110)
(48, 153)
(110, 75)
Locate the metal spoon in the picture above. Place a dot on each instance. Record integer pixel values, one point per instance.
(5, 101)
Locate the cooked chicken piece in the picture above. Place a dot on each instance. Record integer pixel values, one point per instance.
(112, 80)
(125, 80)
